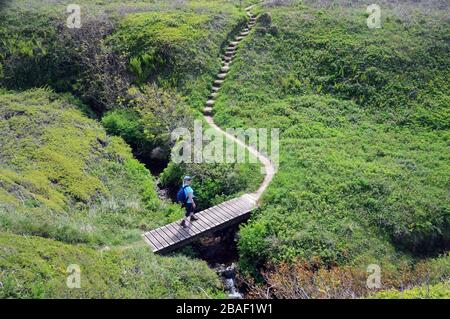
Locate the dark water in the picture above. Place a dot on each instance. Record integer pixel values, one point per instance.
(220, 251)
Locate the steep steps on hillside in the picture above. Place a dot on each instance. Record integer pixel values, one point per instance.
(172, 236)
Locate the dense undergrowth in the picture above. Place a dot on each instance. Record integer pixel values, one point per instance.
(364, 134)
(64, 178)
(364, 125)
(35, 267)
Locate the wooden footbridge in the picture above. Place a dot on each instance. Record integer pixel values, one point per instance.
(172, 236)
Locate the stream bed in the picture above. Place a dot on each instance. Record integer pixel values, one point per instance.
(220, 251)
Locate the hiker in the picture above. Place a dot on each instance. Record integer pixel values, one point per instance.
(186, 197)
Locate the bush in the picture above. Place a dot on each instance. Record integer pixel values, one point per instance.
(361, 174)
(63, 177)
(33, 267)
(308, 280)
(213, 183)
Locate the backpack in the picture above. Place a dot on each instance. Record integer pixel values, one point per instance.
(181, 195)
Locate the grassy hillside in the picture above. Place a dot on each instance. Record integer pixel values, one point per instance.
(141, 66)
(364, 160)
(364, 120)
(63, 177)
(134, 65)
(34, 267)
(175, 44)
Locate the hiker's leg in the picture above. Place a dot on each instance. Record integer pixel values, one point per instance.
(192, 214)
(187, 214)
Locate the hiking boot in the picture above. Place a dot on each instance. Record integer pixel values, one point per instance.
(183, 224)
(193, 218)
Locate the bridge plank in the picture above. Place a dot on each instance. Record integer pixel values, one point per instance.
(239, 207)
(201, 223)
(208, 218)
(154, 241)
(229, 212)
(160, 236)
(232, 211)
(172, 235)
(218, 215)
(152, 246)
(174, 231)
(197, 226)
(243, 204)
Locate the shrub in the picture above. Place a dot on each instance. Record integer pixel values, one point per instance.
(308, 280)
(361, 174)
(33, 267)
(63, 177)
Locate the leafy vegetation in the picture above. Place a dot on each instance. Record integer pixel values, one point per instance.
(34, 267)
(213, 183)
(438, 291)
(364, 145)
(364, 121)
(63, 177)
(304, 280)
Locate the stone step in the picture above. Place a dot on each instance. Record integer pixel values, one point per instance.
(245, 30)
(225, 68)
(210, 103)
(207, 110)
(221, 76)
(229, 53)
(234, 43)
(231, 49)
(215, 88)
(212, 95)
(239, 38)
(243, 34)
(218, 82)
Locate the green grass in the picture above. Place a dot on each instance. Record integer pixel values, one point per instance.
(438, 291)
(364, 135)
(34, 267)
(178, 48)
(176, 45)
(63, 177)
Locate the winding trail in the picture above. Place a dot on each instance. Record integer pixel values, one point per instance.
(227, 60)
(172, 236)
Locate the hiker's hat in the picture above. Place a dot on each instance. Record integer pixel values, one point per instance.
(187, 178)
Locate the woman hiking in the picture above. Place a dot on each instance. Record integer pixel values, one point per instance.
(186, 197)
